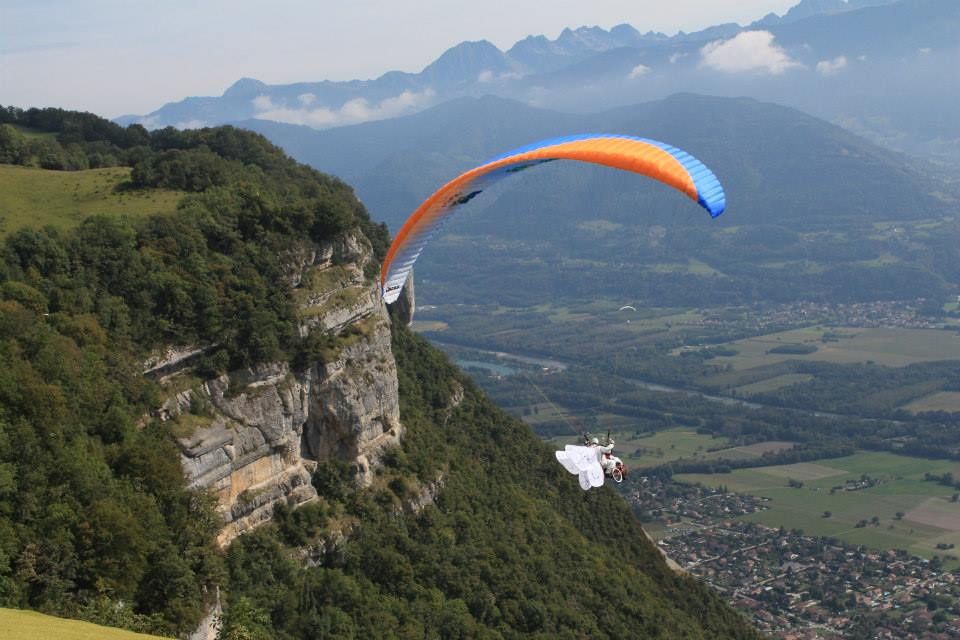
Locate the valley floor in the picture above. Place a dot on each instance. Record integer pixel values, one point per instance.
(828, 543)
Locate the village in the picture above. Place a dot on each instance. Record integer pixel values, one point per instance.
(795, 586)
(868, 315)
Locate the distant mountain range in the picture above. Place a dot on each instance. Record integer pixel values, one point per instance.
(803, 195)
(877, 67)
(780, 165)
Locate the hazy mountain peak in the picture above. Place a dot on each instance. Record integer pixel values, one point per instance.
(466, 62)
(810, 8)
(244, 87)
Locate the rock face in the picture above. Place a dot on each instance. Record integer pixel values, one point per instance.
(405, 306)
(254, 436)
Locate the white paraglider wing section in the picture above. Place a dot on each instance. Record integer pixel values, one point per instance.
(567, 463)
(583, 462)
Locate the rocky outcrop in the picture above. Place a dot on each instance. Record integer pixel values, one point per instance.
(209, 627)
(254, 436)
(405, 306)
(425, 496)
(354, 408)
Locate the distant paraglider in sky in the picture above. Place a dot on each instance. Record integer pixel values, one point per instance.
(666, 164)
(627, 306)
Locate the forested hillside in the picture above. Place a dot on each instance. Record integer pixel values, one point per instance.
(511, 548)
(93, 505)
(96, 521)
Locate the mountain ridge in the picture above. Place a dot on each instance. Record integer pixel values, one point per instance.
(873, 66)
(723, 132)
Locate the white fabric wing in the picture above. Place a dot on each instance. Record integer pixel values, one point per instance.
(582, 461)
(584, 481)
(567, 463)
(595, 475)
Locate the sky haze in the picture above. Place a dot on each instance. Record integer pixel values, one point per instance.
(131, 56)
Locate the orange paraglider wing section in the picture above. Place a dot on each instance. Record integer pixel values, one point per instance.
(650, 158)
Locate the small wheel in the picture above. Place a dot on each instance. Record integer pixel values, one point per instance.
(617, 475)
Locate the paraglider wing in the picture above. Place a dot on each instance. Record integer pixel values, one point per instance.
(656, 160)
(627, 306)
(583, 462)
(567, 462)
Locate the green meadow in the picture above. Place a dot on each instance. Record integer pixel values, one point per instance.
(30, 625)
(31, 197)
(892, 347)
(941, 401)
(658, 448)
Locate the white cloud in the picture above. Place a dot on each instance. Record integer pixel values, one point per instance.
(637, 71)
(153, 122)
(747, 51)
(149, 122)
(488, 76)
(262, 103)
(306, 99)
(190, 124)
(925, 51)
(862, 58)
(832, 67)
(351, 112)
(675, 57)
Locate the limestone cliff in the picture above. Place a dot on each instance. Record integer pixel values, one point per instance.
(253, 436)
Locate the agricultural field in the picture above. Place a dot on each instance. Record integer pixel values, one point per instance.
(420, 326)
(927, 515)
(544, 412)
(941, 401)
(885, 346)
(692, 267)
(772, 384)
(671, 445)
(30, 625)
(31, 197)
(656, 449)
(748, 452)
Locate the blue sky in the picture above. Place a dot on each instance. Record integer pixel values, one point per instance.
(130, 56)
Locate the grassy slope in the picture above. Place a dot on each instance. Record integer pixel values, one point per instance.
(31, 197)
(30, 625)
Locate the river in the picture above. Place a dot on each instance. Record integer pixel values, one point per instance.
(549, 363)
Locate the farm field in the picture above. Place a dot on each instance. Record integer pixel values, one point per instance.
(884, 346)
(748, 452)
(656, 449)
(941, 401)
(772, 384)
(31, 197)
(420, 326)
(30, 625)
(929, 517)
(692, 266)
(546, 412)
(663, 446)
